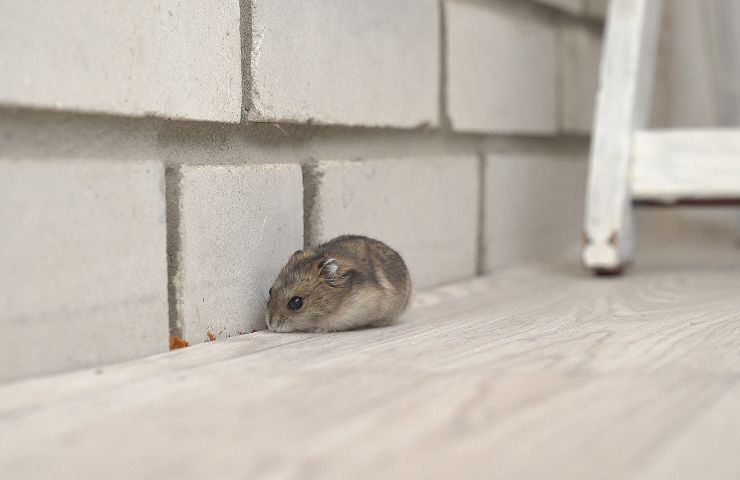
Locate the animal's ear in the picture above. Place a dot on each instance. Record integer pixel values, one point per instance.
(297, 252)
(328, 268)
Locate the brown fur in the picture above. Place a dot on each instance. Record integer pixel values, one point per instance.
(370, 287)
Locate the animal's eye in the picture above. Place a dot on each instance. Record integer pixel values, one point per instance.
(295, 303)
(270, 292)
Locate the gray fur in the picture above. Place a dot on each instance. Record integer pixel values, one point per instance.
(346, 283)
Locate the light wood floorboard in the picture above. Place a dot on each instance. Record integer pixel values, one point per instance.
(535, 372)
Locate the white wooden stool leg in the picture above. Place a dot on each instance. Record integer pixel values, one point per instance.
(623, 106)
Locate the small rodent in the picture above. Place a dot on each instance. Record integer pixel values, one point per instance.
(346, 283)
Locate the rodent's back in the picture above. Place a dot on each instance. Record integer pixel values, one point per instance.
(377, 264)
(380, 287)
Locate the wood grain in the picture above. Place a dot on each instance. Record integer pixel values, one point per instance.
(535, 372)
(674, 165)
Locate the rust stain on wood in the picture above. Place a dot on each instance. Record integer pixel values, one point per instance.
(613, 239)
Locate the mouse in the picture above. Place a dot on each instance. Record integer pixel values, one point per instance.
(347, 283)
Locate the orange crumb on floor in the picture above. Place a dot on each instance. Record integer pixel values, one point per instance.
(177, 342)
(211, 336)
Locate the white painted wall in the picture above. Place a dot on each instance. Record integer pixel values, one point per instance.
(699, 64)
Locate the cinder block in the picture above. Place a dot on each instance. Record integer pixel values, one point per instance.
(425, 208)
(137, 57)
(532, 207)
(501, 70)
(236, 226)
(581, 56)
(83, 264)
(352, 62)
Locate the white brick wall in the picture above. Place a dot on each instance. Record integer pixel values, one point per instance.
(83, 238)
(83, 266)
(492, 87)
(581, 56)
(349, 62)
(532, 208)
(238, 225)
(687, 73)
(82, 242)
(136, 57)
(425, 208)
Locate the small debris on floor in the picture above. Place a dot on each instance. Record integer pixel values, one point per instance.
(177, 342)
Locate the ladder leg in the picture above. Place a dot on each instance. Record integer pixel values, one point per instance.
(623, 106)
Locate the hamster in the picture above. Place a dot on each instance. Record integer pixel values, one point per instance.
(346, 283)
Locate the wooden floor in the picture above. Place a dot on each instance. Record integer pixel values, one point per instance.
(536, 372)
